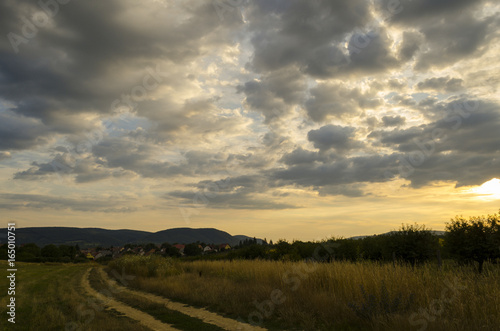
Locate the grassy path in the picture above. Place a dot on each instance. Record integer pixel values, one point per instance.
(51, 297)
(135, 314)
(223, 323)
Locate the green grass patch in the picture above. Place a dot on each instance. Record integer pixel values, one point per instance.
(50, 297)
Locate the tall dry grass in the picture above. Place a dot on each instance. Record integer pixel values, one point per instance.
(326, 296)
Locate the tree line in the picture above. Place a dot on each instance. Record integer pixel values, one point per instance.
(468, 241)
(49, 253)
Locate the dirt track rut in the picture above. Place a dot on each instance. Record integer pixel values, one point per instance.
(143, 318)
(203, 314)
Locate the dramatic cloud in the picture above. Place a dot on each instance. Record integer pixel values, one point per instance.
(333, 137)
(336, 100)
(393, 120)
(36, 201)
(301, 33)
(275, 95)
(20, 132)
(441, 83)
(265, 110)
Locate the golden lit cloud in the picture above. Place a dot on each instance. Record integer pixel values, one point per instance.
(271, 118)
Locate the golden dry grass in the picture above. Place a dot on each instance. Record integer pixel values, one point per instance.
(326, 296)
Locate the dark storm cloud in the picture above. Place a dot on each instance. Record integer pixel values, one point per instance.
(237, 200)
(320, 63)
(231, 192)
(470, 127)
(140, 158)
(463, 168)
(301, 156)
(79, 60)
(337, 171)
(371, 52)
(393, 120)
(328, 175)
(20, 132)
(125, 156)
(119, 157)
(463, 146)
(441, 83)
(410, 45)
(60, 165)
(336, 100)
(396, 136)
(305, 33)
(37, 201)
(410, 11)
(439, 33)
(333, 137)
(456, 38)
(85, 170)
(275, 94)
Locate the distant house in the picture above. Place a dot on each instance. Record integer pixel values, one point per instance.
(138, 251)
(208, 249)
(180, 247)
(150, 252)
(223, 247)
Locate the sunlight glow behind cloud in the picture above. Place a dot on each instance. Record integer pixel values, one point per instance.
(489, 190)
(261, 117)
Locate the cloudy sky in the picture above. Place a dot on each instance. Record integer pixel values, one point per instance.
(272, 118)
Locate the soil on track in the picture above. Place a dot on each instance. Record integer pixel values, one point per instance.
(203, 314)
(143, 318)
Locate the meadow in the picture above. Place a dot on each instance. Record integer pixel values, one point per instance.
(277, 295)
(339, 295)
(50, 297)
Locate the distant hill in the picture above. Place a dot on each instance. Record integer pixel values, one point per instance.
(188, 235)
(92, 237)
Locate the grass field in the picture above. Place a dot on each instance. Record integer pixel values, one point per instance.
(50, 297)
(328, 296)
(276, 295)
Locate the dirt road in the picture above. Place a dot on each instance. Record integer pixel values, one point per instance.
(143, 318)
(203, 314)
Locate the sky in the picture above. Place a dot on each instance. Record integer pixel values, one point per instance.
(280, 119)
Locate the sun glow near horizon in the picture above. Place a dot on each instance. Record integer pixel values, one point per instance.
(489, 190)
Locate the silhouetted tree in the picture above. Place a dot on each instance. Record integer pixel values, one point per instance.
(476, 239)
(170, 250)
(69, 251)
(192, 249)
(28, 252)
(413, 243)
(51, 251)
